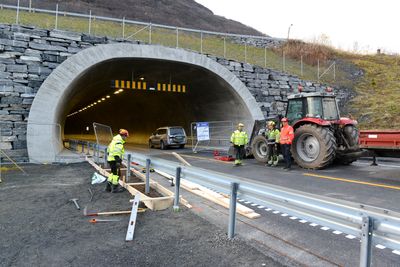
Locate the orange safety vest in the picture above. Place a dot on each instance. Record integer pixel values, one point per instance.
(287, 135)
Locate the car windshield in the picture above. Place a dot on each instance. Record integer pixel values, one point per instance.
(176, 131)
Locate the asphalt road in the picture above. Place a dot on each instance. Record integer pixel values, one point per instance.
(361, 183)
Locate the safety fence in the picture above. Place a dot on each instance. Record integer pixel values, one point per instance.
(243, 48)
(214, 135)
(371, 225)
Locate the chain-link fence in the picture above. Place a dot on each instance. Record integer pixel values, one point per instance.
(258, 50)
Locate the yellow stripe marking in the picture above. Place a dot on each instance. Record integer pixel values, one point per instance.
(158, 87)
(164, 87)
(144, 86)
(116, 83)
(174, 88)
(139, 85)
(351, 181)
(128, 84)
(169, 87)
(179, 88)
(122, 84)
(183, 88)
(133, 85)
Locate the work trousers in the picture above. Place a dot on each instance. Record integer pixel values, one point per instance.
(287, 156)
(115, 172)
(272, 151)
(239, 152)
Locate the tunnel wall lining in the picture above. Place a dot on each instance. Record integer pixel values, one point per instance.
(47, 105)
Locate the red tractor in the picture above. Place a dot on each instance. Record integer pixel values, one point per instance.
(321, 135)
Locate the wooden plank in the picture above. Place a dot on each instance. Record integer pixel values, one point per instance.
(179, 157)
(132, 219)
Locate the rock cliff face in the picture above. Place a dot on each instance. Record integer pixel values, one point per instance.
(28, 56)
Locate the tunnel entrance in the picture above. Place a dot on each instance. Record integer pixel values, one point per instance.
(170, 94)
(177, 87)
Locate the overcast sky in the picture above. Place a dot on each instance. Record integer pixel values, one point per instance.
(349, 24)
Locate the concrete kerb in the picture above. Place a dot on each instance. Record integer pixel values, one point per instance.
(47, 107)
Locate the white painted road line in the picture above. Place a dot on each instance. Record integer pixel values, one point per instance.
(313, 224)
(247, 202)
(396, 252)
(325, 228)
(268, 209)
(276, 212)
(303, 221)
(254, 204)
(380, 246)
(284, 215)
(241, 200)
(337, 232)
(293, 218)
(260, 207)
(350, 236)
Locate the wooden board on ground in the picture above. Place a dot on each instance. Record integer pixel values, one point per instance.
(157, 203)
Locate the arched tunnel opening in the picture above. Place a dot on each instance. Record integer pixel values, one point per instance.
(175, 94)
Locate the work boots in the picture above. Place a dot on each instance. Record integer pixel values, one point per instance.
(117, 189)
(108, 187)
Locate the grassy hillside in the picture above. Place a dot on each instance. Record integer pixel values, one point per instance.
(377, 104)
(377, 87)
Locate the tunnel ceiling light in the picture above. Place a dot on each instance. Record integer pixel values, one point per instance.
(141, 78)
(98, 101)
(116, 92)
(108, 96)
(103, 99)
(121, 90)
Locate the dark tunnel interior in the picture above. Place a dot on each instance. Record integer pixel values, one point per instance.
(207, 97)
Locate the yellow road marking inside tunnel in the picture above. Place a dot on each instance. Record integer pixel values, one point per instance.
(351, 181)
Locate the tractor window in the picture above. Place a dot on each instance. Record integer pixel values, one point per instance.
(330, 109)
(295, 110)
(314, 109)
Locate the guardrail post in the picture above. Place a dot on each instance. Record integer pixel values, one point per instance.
(123, 28)
(366, 241)
(83, 147)
(147, 187)
(88, 148)
(128, 167)
(177, 185)
(17, 16)
(90, 21)
(232, 210)
(105, 156)
(56, 24)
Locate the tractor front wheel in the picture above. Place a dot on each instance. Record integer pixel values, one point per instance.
(314, 147)
(259, 148)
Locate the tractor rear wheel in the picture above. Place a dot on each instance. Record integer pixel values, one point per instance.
(259, 148)
(314, 147)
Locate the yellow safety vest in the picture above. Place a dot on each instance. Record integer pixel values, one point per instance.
(116, 148)
(239, 138)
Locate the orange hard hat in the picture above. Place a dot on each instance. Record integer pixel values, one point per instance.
(284, 119)
(123, 132)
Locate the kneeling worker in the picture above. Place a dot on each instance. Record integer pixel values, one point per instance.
(116, 152)
(239, 139)
(273, 135)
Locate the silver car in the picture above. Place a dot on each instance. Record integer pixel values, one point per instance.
(168, 136)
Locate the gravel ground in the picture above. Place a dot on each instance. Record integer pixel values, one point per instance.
(40, 227)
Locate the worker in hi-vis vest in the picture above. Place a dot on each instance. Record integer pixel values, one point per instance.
(239, 139)
(273, 137)
(115, 151)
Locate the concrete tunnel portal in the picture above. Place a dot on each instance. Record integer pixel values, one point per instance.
(211, 93)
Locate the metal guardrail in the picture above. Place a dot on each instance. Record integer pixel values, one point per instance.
(371, 224)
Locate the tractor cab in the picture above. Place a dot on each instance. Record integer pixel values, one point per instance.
(320, 106)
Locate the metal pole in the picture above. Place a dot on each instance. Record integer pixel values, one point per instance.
(201, 42)
(177, 37)
(83, 148)
(224, 47)
(334, 71)
(105, 156)
(283, 61)
(17, 17)
(128, 167)
(245, 52)
(88, 148)
(123, 28)
(56, 16)
(147, 188)
(232, 210)
(150, 33)
(90, 20)
(366, 241)
(30, 6)
(301, 65)
(177, 185)
(265, 57)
